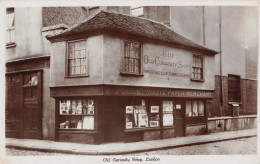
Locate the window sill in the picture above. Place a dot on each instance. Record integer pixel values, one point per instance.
(142, 129)
(234, 102)
(76, 131)
(76, 76)
(130, 74)
(168, 127)
(10, 45)
(198, 80)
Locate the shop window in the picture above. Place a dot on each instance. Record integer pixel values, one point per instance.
(132, 58)
(10, 28)
(137, 11)
(195, 108)
(77, 58)
(167, 113)
(138, 116)
(233, 88)
(76, 114)
(197, 68)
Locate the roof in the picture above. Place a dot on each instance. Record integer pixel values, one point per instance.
(120, 23)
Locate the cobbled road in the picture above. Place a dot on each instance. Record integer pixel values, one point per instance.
(244, 146)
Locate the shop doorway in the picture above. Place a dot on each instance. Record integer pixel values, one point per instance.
(113, 121)
(32, 108)
(179, 118)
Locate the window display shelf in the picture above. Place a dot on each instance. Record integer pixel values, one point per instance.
(142, 129)
(76, 131)
(76, 114)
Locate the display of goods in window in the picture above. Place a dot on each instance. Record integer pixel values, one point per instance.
(129, 125)
(154, 123)
(64, 107)
(154, 109)
(88, 122)
(143, 120)
(129, 109)
(167, 119)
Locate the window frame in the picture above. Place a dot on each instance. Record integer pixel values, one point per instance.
(236, 90)
(123, 72)
(192, 120)
(137, 7)
(202, 79)
(60, 116)
(148, 104)
(10, 42)
(67, 66)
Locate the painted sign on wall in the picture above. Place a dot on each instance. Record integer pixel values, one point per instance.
(166, 63)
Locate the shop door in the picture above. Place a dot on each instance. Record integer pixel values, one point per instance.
(179, 118)
(113, 121)
(32, 109)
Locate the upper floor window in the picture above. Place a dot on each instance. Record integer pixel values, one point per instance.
(132, 58)
(77, 58)
(233, 88)
(10, 35)
(137, 11)
(197, 68)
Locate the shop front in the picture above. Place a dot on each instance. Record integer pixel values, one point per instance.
(118, 83)
(128, 114)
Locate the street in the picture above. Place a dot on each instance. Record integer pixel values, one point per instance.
(243, 146)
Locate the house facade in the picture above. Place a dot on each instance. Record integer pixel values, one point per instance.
(106, 81)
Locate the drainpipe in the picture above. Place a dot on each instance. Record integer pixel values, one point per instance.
(220, 56)
(203, 22)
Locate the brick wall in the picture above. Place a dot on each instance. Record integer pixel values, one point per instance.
(248, 104)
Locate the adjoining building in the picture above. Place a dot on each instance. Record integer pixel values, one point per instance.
(104, 76)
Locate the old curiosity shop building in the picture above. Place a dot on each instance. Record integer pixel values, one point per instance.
(122, 82)
(112, 78)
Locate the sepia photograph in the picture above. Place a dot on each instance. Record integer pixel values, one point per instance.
(131, 83)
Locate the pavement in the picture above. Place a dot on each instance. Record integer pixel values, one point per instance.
(125, 148)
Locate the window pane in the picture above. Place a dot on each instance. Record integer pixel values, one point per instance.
(77, 54)
(136, 68)
(195, 108)
(82, 45)
(82, 54)
(71, 63)
(126, 49)
(188, 109)
(137, 50)
(83, 70)
(126, 65)
(71, 50)
(131, 65)
(201, 108)
(77, 70)
(77, 62)
(77, 46)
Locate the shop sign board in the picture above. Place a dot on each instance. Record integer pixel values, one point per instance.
(158, 92)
